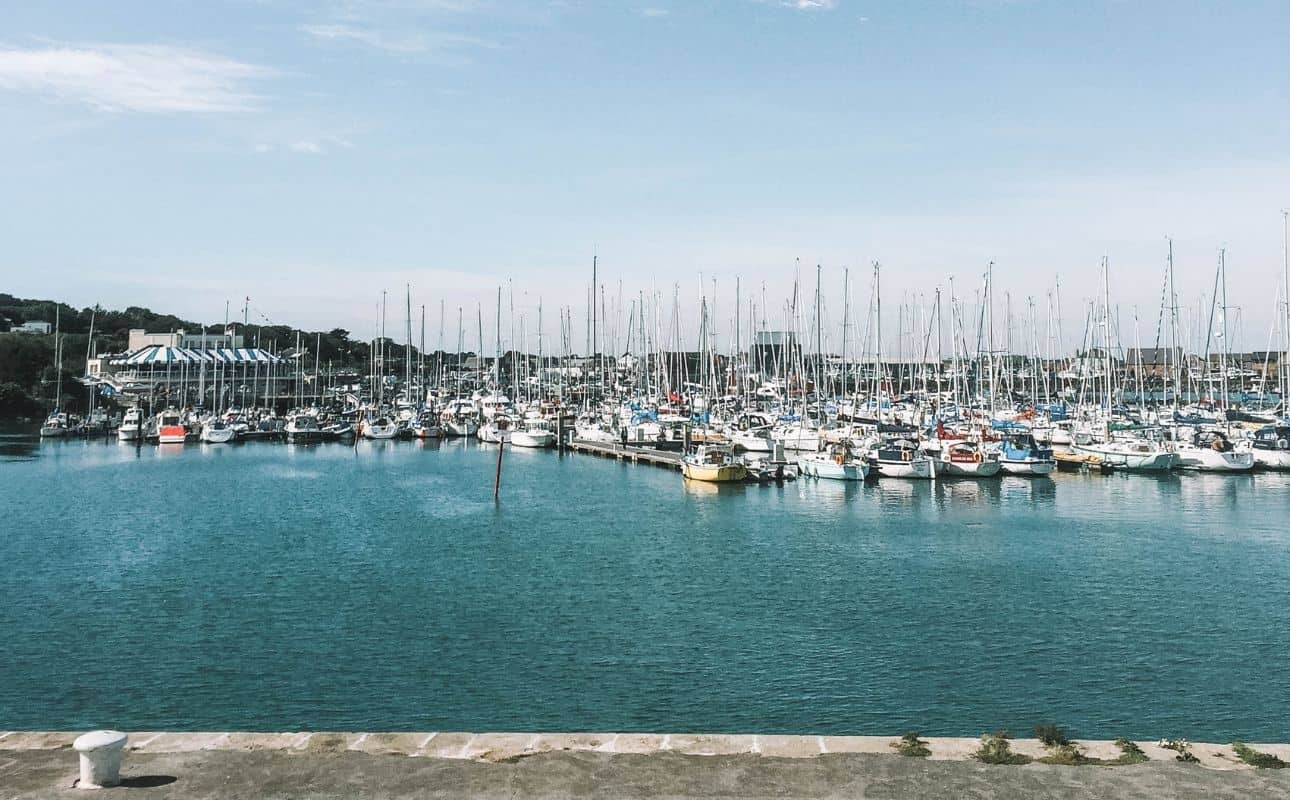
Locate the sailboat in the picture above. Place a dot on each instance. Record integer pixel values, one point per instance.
(839, 464)
(713, 464)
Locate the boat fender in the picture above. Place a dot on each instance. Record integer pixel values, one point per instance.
(838, 459)
(1282, 444)
(904, 455)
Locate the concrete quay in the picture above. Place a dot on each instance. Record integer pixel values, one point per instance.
(399, 765)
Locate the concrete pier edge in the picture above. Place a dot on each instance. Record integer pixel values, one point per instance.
(502, 747)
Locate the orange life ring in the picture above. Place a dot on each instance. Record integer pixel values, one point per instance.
(839, 458)
(977, 457)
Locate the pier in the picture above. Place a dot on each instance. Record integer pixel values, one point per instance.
(398, 765)
(622, 452)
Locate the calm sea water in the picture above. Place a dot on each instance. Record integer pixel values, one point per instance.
(275, 587)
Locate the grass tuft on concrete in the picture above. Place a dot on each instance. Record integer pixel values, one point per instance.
(996, 750)
(1051, 734)
(1256, 759)
(1130, 753)
(912, 746)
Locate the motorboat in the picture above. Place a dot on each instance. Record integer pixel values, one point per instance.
(217, 431)
(533, 433)
(131, 427)
(1271, 447)
(303, 429)
(170, 428)
(1020, 454)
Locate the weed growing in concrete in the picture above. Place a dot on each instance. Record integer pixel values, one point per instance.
(1130, 753)
(1180, 747)
(1052, 735)
(1256, 759)
(996, 750)
(910, 745)
(1068, 755)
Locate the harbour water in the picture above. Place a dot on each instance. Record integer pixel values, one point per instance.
(379, 587)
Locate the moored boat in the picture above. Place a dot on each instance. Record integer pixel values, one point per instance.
(713, 464)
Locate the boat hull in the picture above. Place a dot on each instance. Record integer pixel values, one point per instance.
(1153, 461)
(714, 473)
(1199, 459)
(1272, 459)
(831, 470)
(532, 439)
(914, 469)
(1027, 466)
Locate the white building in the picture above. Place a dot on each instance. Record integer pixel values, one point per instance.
(33, 327)
(139, 339)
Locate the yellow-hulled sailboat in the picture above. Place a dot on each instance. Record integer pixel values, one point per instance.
(713, 464)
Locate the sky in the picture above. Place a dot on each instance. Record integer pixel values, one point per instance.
(311, 155)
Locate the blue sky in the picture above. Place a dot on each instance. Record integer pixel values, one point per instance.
(310, 155)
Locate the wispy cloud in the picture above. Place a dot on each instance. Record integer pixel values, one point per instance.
(406, 44)
(311, 146)
(654, 12)
(811, 5)
(149, 78)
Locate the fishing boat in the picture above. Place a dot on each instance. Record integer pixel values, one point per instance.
(459, 419)
(303, 429)
(533, 433)
(217, 431)
(901, 458)
(1020, 454)
(1271, 447)
(170, 428)
(839, 464)
(131, 427)
(713, 464)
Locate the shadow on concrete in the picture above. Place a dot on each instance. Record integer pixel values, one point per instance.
(147, 781)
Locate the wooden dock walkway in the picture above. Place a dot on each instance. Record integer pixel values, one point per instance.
(636, 455)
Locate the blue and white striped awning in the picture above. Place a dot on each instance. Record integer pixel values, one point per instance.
(243, 355)
(160, 355)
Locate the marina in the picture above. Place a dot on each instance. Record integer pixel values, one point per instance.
(597, 594)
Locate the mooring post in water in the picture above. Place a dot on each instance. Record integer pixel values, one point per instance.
(497, 478)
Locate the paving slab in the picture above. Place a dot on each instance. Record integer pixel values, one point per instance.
(775, 746)
(329, 742)
(46, 774)
(710, 745)
(642, 743)
(502, 746)
(263, 741)
(397, 744)
(551, 742)
(447, 745)
(857, 744)
(185, 742)
(38, 740)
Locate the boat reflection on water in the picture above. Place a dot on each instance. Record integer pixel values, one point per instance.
(711, 489)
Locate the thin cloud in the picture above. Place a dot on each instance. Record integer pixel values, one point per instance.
(147, 78)
(370, 38)
(418, 43)
(811, 5)
(654, 13)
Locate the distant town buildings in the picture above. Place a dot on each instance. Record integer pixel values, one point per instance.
(33, 327)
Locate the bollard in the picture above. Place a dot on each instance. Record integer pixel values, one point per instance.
(100, 758)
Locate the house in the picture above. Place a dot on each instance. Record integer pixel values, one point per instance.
(33, 327)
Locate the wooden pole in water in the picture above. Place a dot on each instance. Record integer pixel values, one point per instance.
(497, 478)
